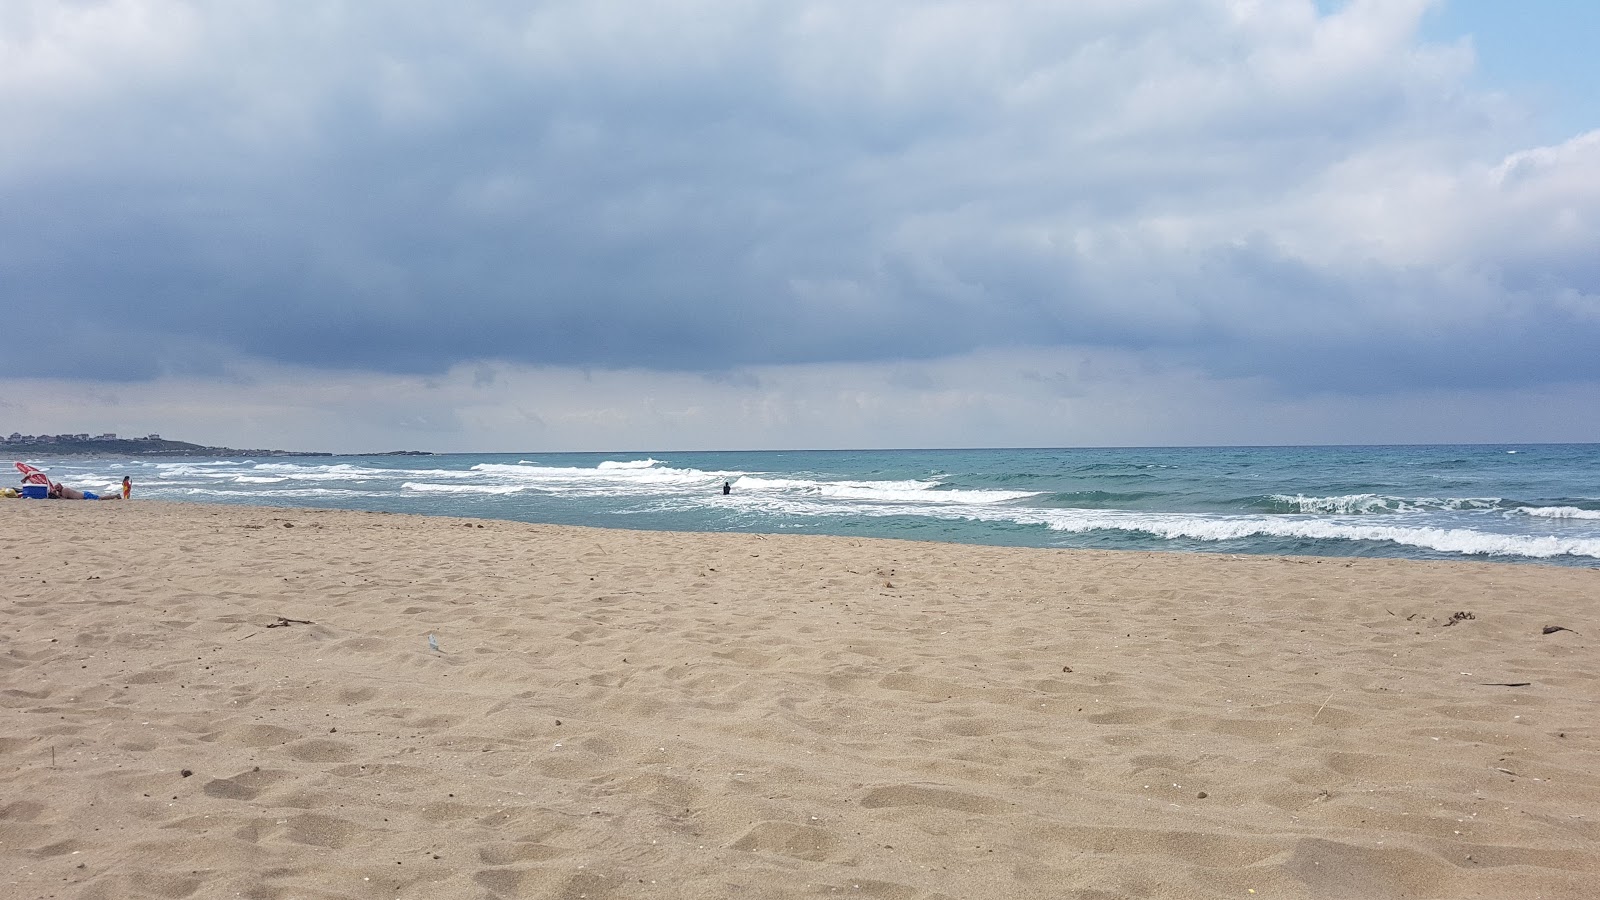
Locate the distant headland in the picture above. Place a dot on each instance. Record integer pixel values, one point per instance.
(149, 445)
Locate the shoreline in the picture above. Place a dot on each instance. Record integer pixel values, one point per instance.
(1358, 505)
(675, 714)
(1515, 562)
(1565, 563)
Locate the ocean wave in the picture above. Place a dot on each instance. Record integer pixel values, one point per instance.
(873, 492)
(812, 486)
(348, 472)
(499, 489)
(164, 491)
(1465, 541)
(1204, 528)
(194, 470)
(195, 464)
(628, 464)
(1347, 504)
(924, 491)
(1381, 511)
(1558, 512)
(1359, 504)
(615, 480)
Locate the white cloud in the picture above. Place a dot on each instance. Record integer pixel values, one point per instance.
(1259, 195)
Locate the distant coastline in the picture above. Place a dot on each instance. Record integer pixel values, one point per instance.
(154, 445)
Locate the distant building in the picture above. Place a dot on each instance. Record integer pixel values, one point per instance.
(108, 436)
(153, 437)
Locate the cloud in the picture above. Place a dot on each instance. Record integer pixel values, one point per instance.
(1033, 398)
(1253, 189)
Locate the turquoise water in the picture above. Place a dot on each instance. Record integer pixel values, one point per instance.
(1512, 503)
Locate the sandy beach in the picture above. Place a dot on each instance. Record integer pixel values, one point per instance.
(211, 701)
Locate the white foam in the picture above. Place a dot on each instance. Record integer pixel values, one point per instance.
(1468, 526)
(1465, 541)
(615, 481)
(1450, 540)
(167, 491)
(1559, 512)
(871, 492)
(926, 491)
(1216, 529)
(628, 464)
(465, 488)
(181, 470)
(1351, 504)
(348, 472)
(644, 478)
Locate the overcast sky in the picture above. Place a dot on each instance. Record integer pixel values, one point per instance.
(709, 224)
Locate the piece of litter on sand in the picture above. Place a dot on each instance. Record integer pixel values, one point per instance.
(284, 622)
(1552, 629)
(433, 643)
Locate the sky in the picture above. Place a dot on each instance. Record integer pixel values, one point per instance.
(485, 226)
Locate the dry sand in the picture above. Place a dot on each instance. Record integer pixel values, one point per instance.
(624, 714)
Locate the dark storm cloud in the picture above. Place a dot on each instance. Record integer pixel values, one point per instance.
(702, 186)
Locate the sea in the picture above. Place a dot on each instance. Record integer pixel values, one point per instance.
(1537, 503)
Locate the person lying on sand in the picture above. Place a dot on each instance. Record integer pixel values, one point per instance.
(59, 491)
(63, 492)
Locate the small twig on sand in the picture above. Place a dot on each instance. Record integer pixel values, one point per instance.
(1322, 707)
(284, 623)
